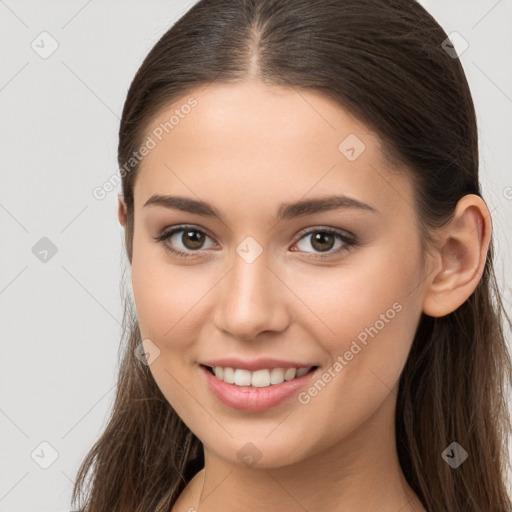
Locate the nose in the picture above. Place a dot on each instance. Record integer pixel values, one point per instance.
(251, 300)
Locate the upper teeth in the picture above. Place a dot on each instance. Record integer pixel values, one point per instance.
(258, 378)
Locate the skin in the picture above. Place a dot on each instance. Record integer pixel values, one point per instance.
(246, 148)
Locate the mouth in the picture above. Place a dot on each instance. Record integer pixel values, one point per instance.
(255, 391)
(259, 378)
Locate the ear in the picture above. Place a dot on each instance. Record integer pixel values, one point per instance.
(459, 257)
(121, 210)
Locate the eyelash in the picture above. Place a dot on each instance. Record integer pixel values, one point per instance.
(347, 240)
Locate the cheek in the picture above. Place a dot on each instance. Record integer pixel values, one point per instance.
(155, 290)
(169, 298)
(165, 297)
(369, 310)
(373, 312)
(162, 300)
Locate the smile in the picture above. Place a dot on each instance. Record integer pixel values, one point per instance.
(258, 378)
(254, 398)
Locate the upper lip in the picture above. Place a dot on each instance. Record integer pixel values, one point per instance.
(256, 364)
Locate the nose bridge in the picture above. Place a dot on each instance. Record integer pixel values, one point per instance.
(249, 301)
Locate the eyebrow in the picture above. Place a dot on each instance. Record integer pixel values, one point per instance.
(286, 211)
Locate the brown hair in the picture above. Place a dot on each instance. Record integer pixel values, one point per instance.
(383, 62)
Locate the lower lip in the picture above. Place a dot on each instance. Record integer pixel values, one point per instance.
(252, 399)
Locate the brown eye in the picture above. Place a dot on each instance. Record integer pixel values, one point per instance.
(192, 239)
(322, 241)
(325, 240)
(184, 241)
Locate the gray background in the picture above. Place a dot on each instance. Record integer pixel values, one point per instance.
(61, 317)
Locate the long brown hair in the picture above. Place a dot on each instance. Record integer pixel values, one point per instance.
(384, 62)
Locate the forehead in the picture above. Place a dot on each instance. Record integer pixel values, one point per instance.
(250, 145)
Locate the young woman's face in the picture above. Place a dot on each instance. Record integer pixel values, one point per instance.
(339, 288)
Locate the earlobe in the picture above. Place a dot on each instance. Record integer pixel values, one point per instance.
(121, 210)
(459, 258)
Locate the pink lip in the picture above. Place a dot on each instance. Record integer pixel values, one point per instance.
(251, 399)
(257, 364)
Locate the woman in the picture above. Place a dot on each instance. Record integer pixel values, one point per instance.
(316, 321)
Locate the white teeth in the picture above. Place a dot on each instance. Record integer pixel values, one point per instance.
(290, 373)
(302, 371)
(277, 376)
(258, 378)
(229, 375)
(242, 377)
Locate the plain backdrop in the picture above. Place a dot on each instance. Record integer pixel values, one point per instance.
(64, 73)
